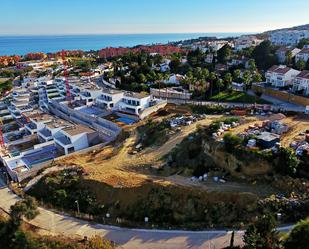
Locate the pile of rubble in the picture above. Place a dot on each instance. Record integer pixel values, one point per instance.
(223, 128)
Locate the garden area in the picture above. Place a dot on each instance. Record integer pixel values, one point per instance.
(237, 97)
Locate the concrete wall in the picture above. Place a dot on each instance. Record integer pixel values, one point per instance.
(285, 96)
(106, 128)
(152, 109)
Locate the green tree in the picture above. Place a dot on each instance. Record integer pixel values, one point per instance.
(302, 43)
(262, 234)
(212, 77)
(252, 66)
(286, 161)
(231, 141)
(264, 55)
(298, 238)
(236, 75)
(288, 58)
(257, 77)
(224, 53)
(300, 64)
(228, 78)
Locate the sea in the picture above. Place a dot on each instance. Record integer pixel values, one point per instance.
(20, 45)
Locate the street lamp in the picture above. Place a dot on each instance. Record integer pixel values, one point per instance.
(77, 205)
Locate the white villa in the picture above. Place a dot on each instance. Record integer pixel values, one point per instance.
(301, 82)
(109, 99)
(74, 138)
(281, 76)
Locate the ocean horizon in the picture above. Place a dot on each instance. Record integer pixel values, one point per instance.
(23, 44)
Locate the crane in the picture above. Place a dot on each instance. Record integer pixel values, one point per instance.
(2, 145)
(65, 74)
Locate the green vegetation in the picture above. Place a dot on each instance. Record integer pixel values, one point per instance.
(237, 97)
(14, 234)
(165, 206)
(5, 86)
(264, 55)
(286, 162)
(302, 43)
(208, 109)
(231, 141)
(154, 133)
(262, 234)
(298, 238)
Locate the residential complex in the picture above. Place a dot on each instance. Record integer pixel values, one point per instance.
(288, 37)
(281, 76)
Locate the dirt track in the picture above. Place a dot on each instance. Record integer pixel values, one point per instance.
(122, 169)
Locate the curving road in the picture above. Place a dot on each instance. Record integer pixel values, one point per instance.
(126, 238)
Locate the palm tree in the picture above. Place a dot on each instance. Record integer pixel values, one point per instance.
(212, 77)
(228, 78)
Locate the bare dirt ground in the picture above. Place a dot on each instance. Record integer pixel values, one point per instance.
(120, 169)
(296, 125)
(115, 166)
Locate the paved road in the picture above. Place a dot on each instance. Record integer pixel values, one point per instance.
(126, 238)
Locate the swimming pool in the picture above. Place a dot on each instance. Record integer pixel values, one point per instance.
(126, 120)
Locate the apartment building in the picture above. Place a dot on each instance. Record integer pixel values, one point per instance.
(288, 37)
(281, 53)
(301, 82)
(246, 41)
(281, 76)
(303, 55)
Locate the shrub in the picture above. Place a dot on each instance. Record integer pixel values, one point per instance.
(231, 141)
(298, 237)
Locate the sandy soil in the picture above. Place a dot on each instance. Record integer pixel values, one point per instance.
(120, 169)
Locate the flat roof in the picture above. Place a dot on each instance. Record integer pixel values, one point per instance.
(111, 91)
(40, 116)
(57, 123)
(268, 136)
(78, 129)
(140, 95)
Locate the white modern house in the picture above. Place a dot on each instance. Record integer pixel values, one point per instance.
(74, 138)
(302, 55)
(288, 37)
(165, 66)
(37, 122)
(301, 82)
(135, 103)
(109, 99)
(281, 53)
(51, 128)
(281, 76)
(174, 79)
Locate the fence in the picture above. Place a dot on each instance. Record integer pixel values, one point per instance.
(282, 95)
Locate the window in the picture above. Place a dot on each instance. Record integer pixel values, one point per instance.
(71, 150)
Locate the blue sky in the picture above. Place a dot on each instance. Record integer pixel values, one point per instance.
(149, 16)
